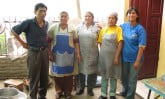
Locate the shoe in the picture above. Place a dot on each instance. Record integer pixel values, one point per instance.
(81, 91)
(112, 97)
(123, 94)
(102, 97)
(90, 93)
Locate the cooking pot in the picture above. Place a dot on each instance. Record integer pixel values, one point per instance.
(11, 93)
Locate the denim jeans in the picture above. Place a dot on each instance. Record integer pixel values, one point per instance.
(104, 86)
(129, 79)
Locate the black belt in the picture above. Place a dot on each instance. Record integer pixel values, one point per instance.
(37, 48)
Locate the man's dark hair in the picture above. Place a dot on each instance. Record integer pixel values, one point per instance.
(39, 5)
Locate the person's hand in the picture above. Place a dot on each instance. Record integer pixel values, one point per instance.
(25, 45)
(116, 61)
(99, 26)
(137, 65)
(79, 57)
(51, 57)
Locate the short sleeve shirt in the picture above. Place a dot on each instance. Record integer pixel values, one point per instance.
(110, 30)
(35, 35)
(134, 37)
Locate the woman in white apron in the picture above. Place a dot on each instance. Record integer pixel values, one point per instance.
(88, 34)
(110, 39)
(64, 43)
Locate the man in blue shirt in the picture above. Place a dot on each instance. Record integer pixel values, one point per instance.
(35, 30)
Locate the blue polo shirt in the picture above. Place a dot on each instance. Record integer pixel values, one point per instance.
(134, 37)
(35, 36)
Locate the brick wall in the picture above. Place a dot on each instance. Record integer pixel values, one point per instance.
(13, 69)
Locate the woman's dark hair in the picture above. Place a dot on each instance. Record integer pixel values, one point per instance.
(39, 5)
(136, 10)
(89, 12)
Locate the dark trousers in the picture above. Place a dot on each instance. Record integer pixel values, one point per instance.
(38, 70)
(63, 85)
(91, 81)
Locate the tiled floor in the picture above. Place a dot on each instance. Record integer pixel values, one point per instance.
(142, 92)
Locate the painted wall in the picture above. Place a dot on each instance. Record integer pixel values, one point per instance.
(161, 62)
(125, 9)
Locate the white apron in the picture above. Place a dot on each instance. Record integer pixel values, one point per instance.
(106, 57)
(89, 49)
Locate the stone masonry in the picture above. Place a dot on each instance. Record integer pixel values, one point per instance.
(13, 69)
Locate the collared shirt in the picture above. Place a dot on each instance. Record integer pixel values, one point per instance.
(134, 37)
(35, 35)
